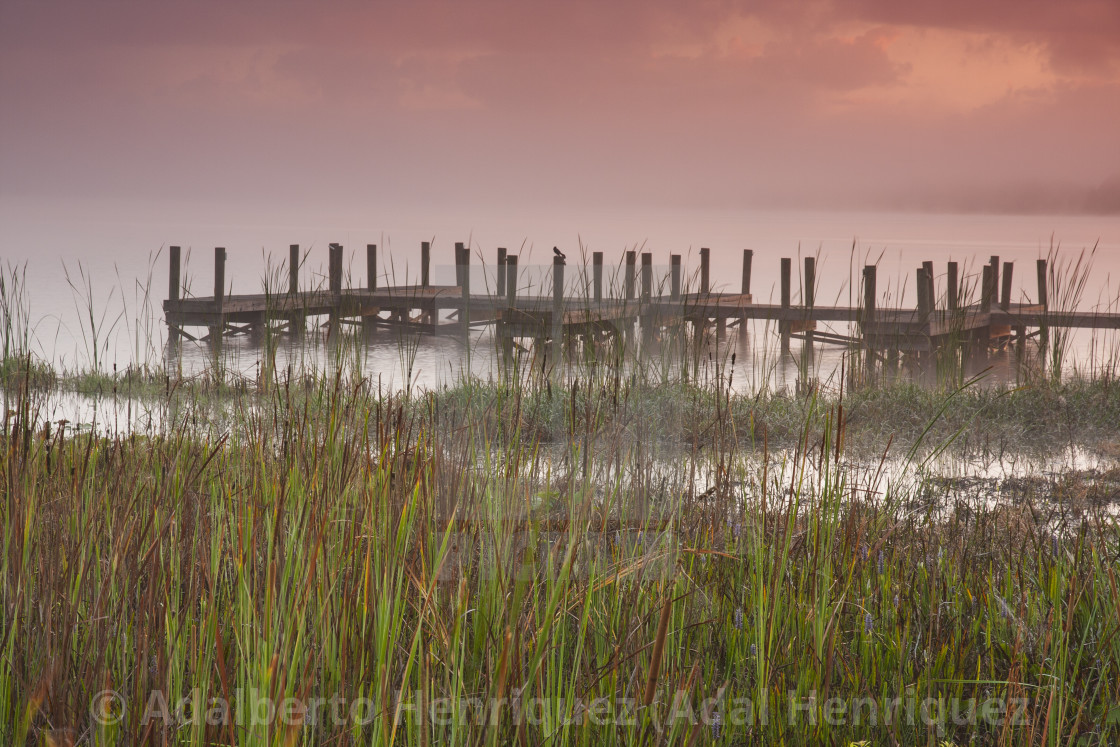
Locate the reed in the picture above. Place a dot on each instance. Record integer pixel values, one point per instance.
(614, 553)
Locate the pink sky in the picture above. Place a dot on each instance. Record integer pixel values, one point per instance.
(1003, 105)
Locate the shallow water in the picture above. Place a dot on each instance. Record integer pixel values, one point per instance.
(96, 274)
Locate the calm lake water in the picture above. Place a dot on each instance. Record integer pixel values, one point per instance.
(97, 257)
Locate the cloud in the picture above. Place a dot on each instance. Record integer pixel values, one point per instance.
(721, 102)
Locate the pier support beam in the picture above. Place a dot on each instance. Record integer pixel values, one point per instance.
(296, 318)
(557, 311)
(784, 326)
(953, 289)
(218, 329)
(647, 296)
(705, 271)
(174, 283)
(334, 282)
(808, 299)
(463, 275)
(631, 261)
(597, 276)
(369, 322)
(1005, 294)
(501, 271)
(869, 293)
(1044, 301)
(506, 332)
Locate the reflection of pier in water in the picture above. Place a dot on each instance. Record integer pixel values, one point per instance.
(942, 327)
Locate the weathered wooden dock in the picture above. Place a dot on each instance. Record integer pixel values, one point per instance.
(935, 324)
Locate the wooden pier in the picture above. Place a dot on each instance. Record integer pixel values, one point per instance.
(934, 325)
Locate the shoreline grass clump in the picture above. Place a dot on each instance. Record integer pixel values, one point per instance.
(330, 563)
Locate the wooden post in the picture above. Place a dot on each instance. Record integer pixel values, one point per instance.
(808, 298)
(501, 271)
(459, 264)
(557, 310)
(506, 330)
(173, 276)
(173, 286)
(808, 294)
(1044, 301)
(463, 266)
(748, 258)
(705, 270)
(930, 294)
(1005, 295)
(293, 269)
(334, 283)
(295, 317)
(675, 277)
(511, 280)
(925, 300)
(647, 276)
(1043, 295)
(597, 275)
(334, 268)
(371, 283)
(954, 290)
(994, 280)
(647, 296)
(631, 260)
(425, 263)
(986, 289)
(783, 325)
(217, 331)
(869, 292)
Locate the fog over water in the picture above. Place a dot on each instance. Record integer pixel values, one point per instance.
(98, 252)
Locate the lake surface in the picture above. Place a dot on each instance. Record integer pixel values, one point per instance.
(100, 262)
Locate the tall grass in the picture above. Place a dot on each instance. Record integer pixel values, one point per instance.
(620, 555)
(401, 552)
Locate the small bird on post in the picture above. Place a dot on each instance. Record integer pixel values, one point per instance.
(558, 253)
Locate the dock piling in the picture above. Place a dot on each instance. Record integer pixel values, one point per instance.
(705, 271)
(597, 275)
(808, 299)
(647, 296)
(557, 309)
(631, 261)
(675, 277)
(1005, 294)
(647, 276)
(463, 272)
(173, 285)
(954, 289)
(748, 258)
(783, 325)
(869, 290)
(218, 328)
(295, 318)
(1044, 302)
(501, 271)
(987, 289)
(425, 263)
